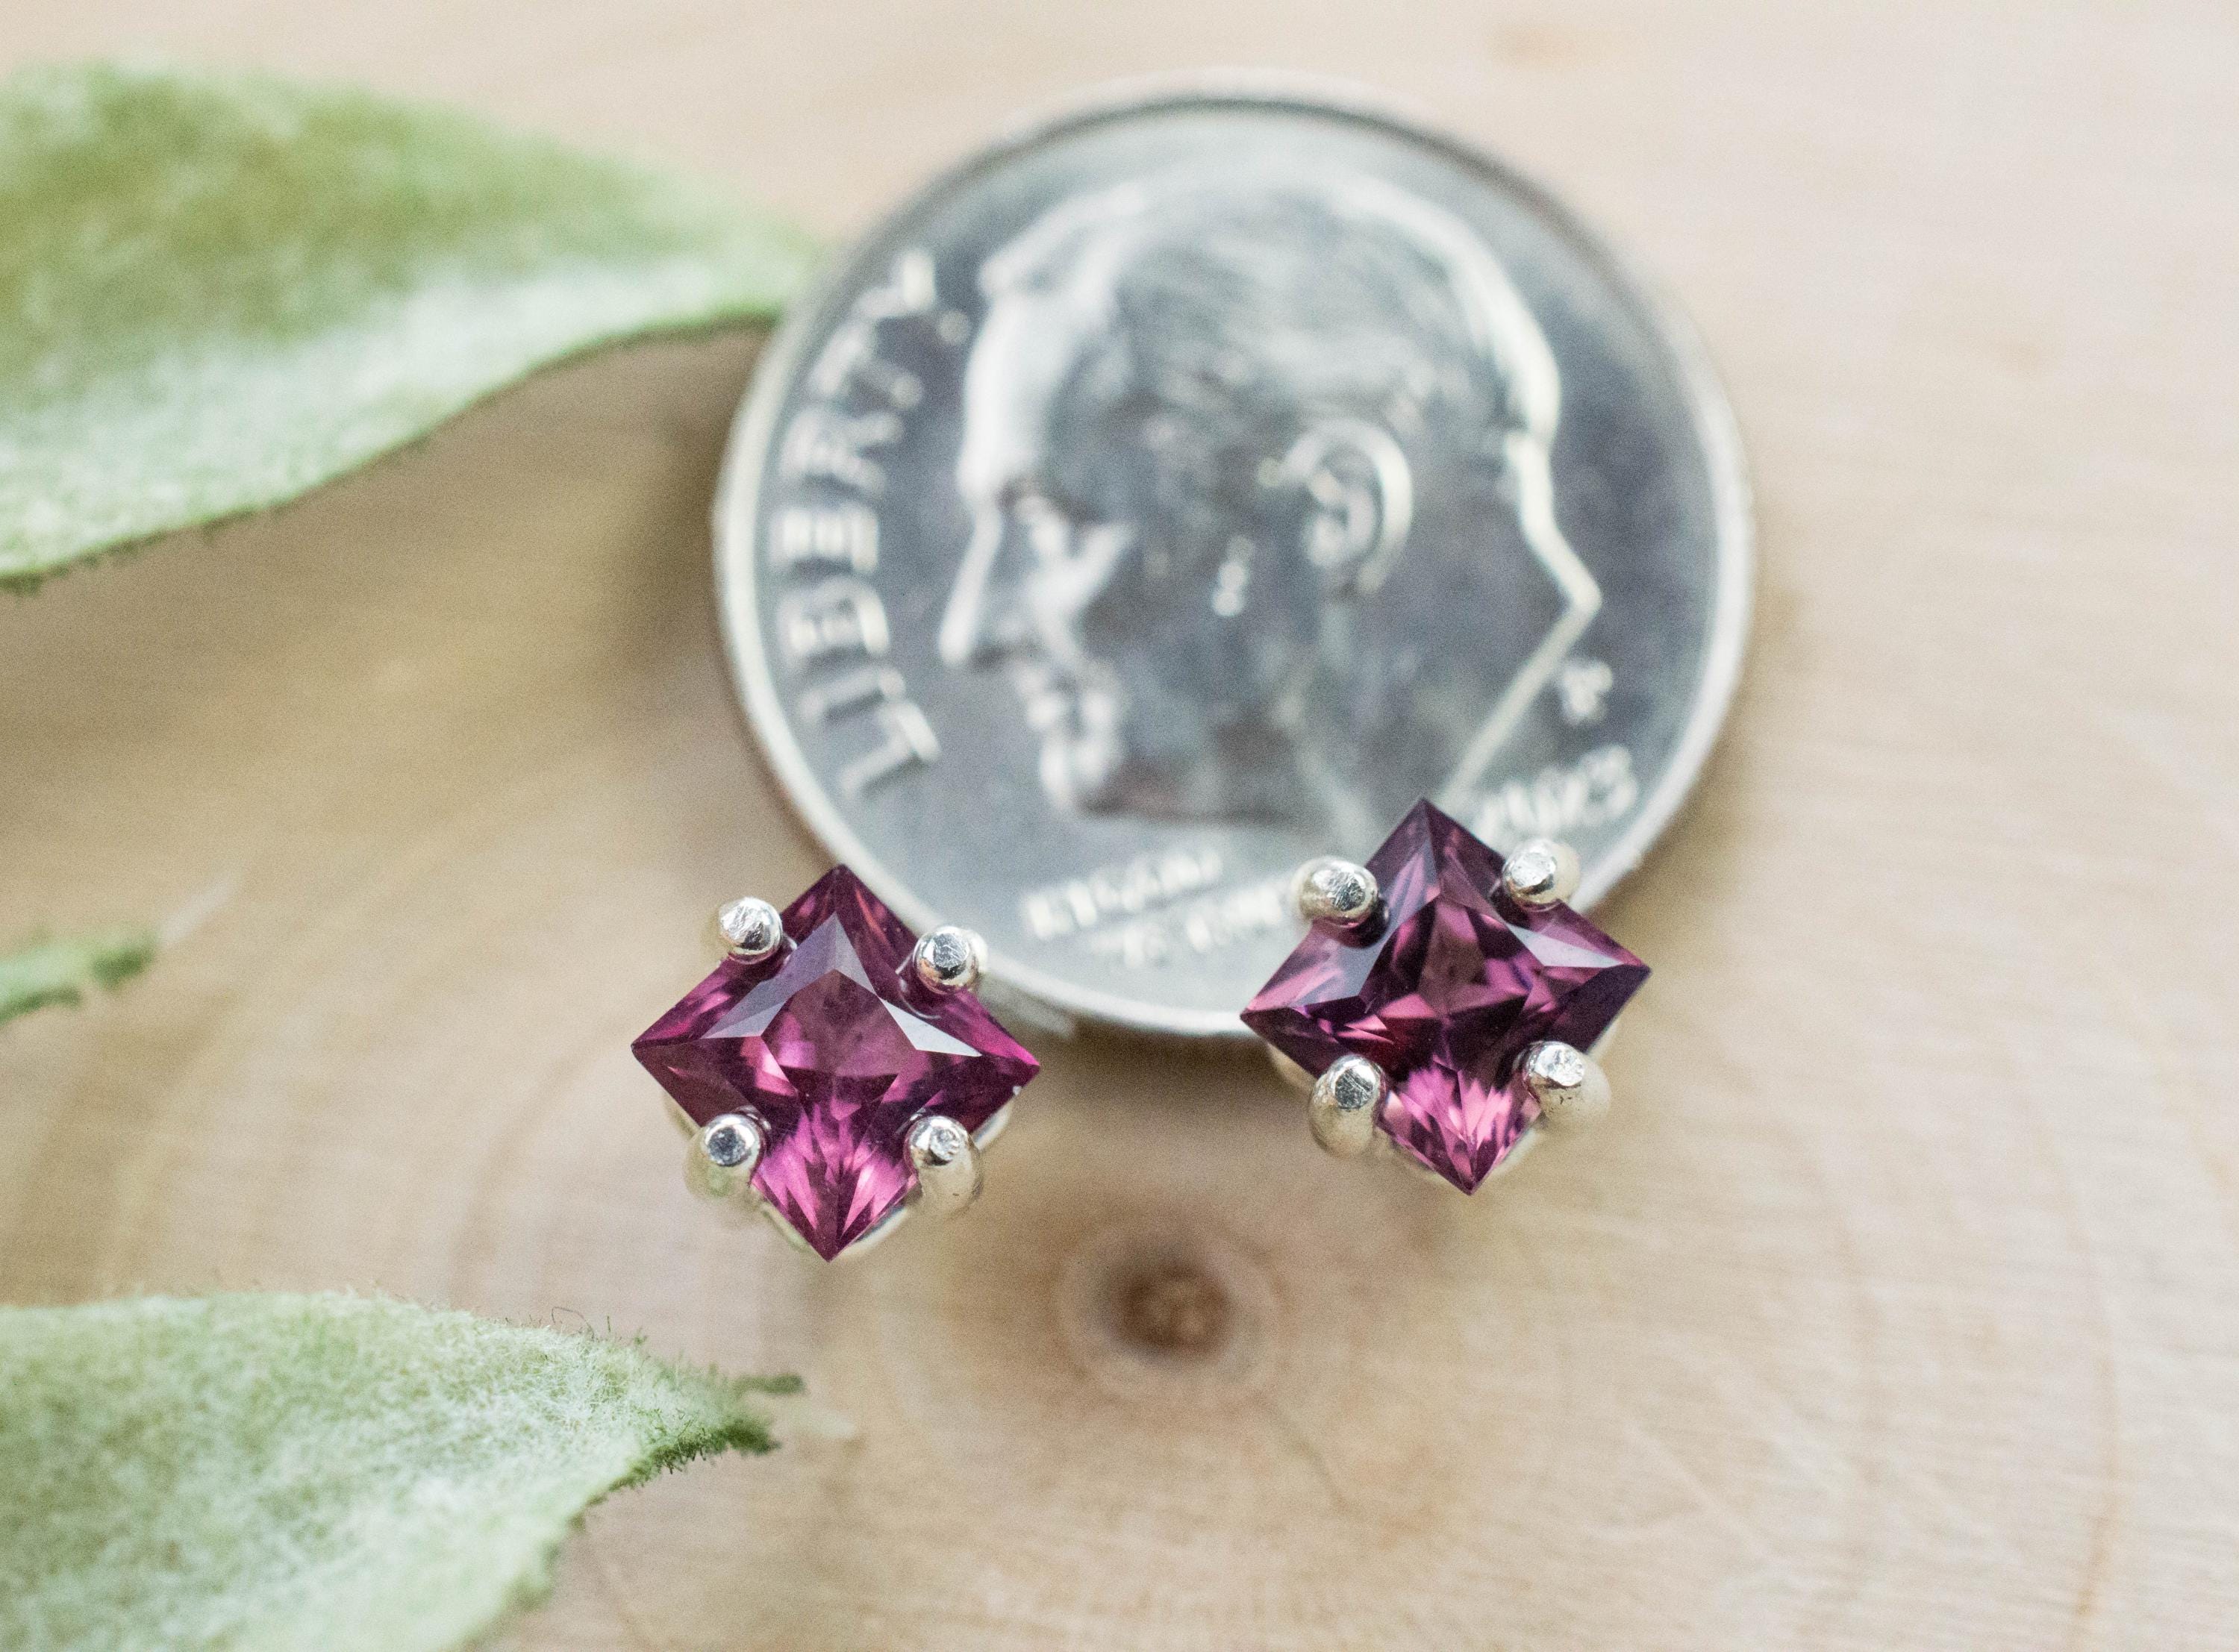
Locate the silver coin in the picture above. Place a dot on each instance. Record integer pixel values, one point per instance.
(1183, 488)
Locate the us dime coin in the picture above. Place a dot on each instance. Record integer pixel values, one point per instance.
(1185, 487)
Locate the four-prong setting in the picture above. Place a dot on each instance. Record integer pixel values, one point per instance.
(1572, 1090)
(1539, 872)
(765, 1059)
(1342, 1108)
(836, 1071)
(1340, 894)
(752, 930)
(946, 1161)
(1455, 1025)
(950, 958)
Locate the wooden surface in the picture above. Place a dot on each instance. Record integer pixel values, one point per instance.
(1898, 1306)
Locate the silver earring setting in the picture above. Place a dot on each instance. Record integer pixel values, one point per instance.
(1446, 1000)
(835, 1071)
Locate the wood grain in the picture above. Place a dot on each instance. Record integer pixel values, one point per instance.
(1899, 1306)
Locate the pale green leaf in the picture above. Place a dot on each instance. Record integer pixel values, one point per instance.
(337, 1473)
(44, 971)
(218, 292)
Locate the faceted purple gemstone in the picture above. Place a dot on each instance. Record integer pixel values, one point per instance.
(1446, 995)
(837, 1047)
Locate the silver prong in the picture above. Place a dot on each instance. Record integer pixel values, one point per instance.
(1540, 871)
(1335, 891)
(751, 928)
(718, 1166)
(949, 958)
(1572, 1090)
(947, 1164)
(1347, 1099)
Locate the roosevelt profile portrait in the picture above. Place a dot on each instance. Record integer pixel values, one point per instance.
(1262, 518)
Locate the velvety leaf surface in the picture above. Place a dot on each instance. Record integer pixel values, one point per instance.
(221, 291)
(61, 970)
(348, 1474)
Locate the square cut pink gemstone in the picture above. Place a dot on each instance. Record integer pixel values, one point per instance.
(834, 1044)
(1445, 994)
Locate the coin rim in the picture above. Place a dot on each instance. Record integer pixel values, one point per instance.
(738, 494)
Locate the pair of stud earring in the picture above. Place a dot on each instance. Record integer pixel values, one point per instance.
(836, 1071)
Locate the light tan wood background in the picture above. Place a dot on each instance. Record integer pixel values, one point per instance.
(1898, 1307)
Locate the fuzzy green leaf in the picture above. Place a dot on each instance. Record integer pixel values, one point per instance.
(355, 1475)
(221, 291)
(60, 971)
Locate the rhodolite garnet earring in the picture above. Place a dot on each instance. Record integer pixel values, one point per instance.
(836, 1071)
(1446, 1000)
